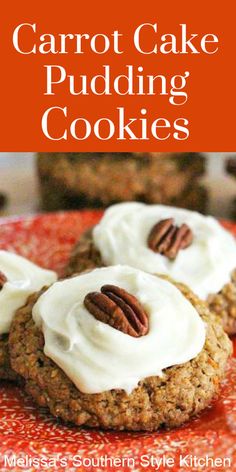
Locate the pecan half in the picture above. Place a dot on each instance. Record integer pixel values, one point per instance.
(119, 309)
(167, 239)
(3, 279)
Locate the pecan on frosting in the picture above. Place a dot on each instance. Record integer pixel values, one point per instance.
(3, 279)
(167, 239)
(119, 309)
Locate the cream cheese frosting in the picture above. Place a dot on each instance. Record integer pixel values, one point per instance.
(206, 265)
(23, 278)
(97, 357)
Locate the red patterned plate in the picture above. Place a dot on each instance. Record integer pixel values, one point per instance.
(30, 439)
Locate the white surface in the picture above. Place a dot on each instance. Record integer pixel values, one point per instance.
(18, 179)
(221, 186)
(97, 357)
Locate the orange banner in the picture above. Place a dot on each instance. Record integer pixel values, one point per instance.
(118, 76)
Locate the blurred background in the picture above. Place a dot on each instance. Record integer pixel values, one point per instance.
(31, 183)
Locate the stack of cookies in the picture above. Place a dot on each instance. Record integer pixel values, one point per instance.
(134, 337)
(76, 180)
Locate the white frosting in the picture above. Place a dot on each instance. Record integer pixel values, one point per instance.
(97, 357)
(205, 265)
(23, 278)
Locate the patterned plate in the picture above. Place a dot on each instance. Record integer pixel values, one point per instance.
(30, 439)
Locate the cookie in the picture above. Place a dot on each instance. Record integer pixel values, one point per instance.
(224, 304)
(3, 200)
(231, 165)
(6, 372)
(77, 180)
(18, 279)
(207, 265)
(231, 169)
(117, 348)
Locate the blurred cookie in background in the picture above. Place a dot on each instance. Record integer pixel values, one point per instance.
(231, 165)
(3, 200)
(78, 180)
(231, 169)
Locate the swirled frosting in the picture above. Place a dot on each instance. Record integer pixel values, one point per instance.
(97, 357)
(206, 265)
(23, 278)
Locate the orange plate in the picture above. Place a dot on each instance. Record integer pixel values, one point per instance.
(32, 434)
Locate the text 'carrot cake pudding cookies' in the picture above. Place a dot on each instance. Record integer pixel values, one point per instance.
(119, 348)
(185, 245)
(19, 278)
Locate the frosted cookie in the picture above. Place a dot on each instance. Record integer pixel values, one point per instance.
(119, 348)
(19, 278)
(185, 245)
